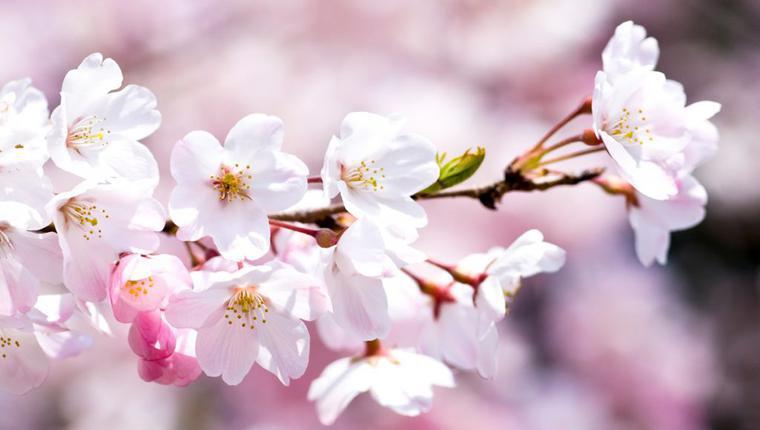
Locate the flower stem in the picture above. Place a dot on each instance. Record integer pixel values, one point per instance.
(570, 156)
(314, 180)
(583, 108)
(324, 236)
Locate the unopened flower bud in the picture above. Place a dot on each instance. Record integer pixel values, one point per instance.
(326, 238)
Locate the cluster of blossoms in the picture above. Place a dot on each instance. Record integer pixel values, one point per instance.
(271, 258)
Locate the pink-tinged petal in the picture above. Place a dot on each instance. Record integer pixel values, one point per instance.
(279, 180)
(185, 210)
(129, 160)
(360, 305)
(191, 309)
(23, 364)
(23, 195)
(459, 329)
(178, 370)
(150, 337)
(283, 346)
(647, 177)
(295, 293)
(59, 343)
(92, 80)
(227, 350)
(254, 134)
(130, 113)
(490, 303)
(244, 234)
(338, 385)
(18, 288)
(196, 158)
(487, 353)
(40, 254)
(334, 337)
(86, 267)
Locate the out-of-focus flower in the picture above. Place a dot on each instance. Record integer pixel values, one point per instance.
(167, 356)
(376, 168)
(26, 260)
(23, 123)
(252, 315)
(95, 130)
(97, 222)
(397, 379)
(226, 191)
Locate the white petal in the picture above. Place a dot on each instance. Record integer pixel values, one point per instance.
(338, 384)
(191, 309)
(226, 350)
(253, 134)
(93, 79)
(131, 113)
(284, 346)
(360, 305)
(196, 158)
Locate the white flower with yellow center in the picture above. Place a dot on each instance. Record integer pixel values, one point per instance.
(252, 315)
(225, 192)
(629, 49)
(97, 222)
(96, 129)
(376, 169)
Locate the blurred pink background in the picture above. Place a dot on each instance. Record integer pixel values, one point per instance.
(604, 344)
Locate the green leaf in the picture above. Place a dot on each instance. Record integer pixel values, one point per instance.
(456, 170)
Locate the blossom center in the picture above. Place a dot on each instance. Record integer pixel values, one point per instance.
(86, 133)
(7, 343)
(86, 217)
(245, 308)
(631, 127)
(364, 176)
(232, 182)
(139, 288)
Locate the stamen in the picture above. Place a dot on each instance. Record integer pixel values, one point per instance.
(232, 182)
(631, 128)
(245, 308)
(139, 288)
(6, 344)
(86, 217)
(84, 133)
(364, 176)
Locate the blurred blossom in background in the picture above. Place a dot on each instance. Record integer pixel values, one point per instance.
(603, 344)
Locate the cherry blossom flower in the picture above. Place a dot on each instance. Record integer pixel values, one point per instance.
(376, 168)
(144, 283)
(96, 223)
(23, 123)
(95, 130)
(23, 364)
(354, 270)
(167, 355)
(498, 274)
(252, 315)
(397, 379)
(27, 260)
(629, 49)
(226, 191)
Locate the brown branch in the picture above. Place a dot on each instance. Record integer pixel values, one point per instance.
(488, 195)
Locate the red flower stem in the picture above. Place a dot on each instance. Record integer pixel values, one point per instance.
(300, 229)
(570, 156)
(583, 108)
(314, 180)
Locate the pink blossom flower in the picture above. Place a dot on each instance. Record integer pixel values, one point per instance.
(144, 283)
